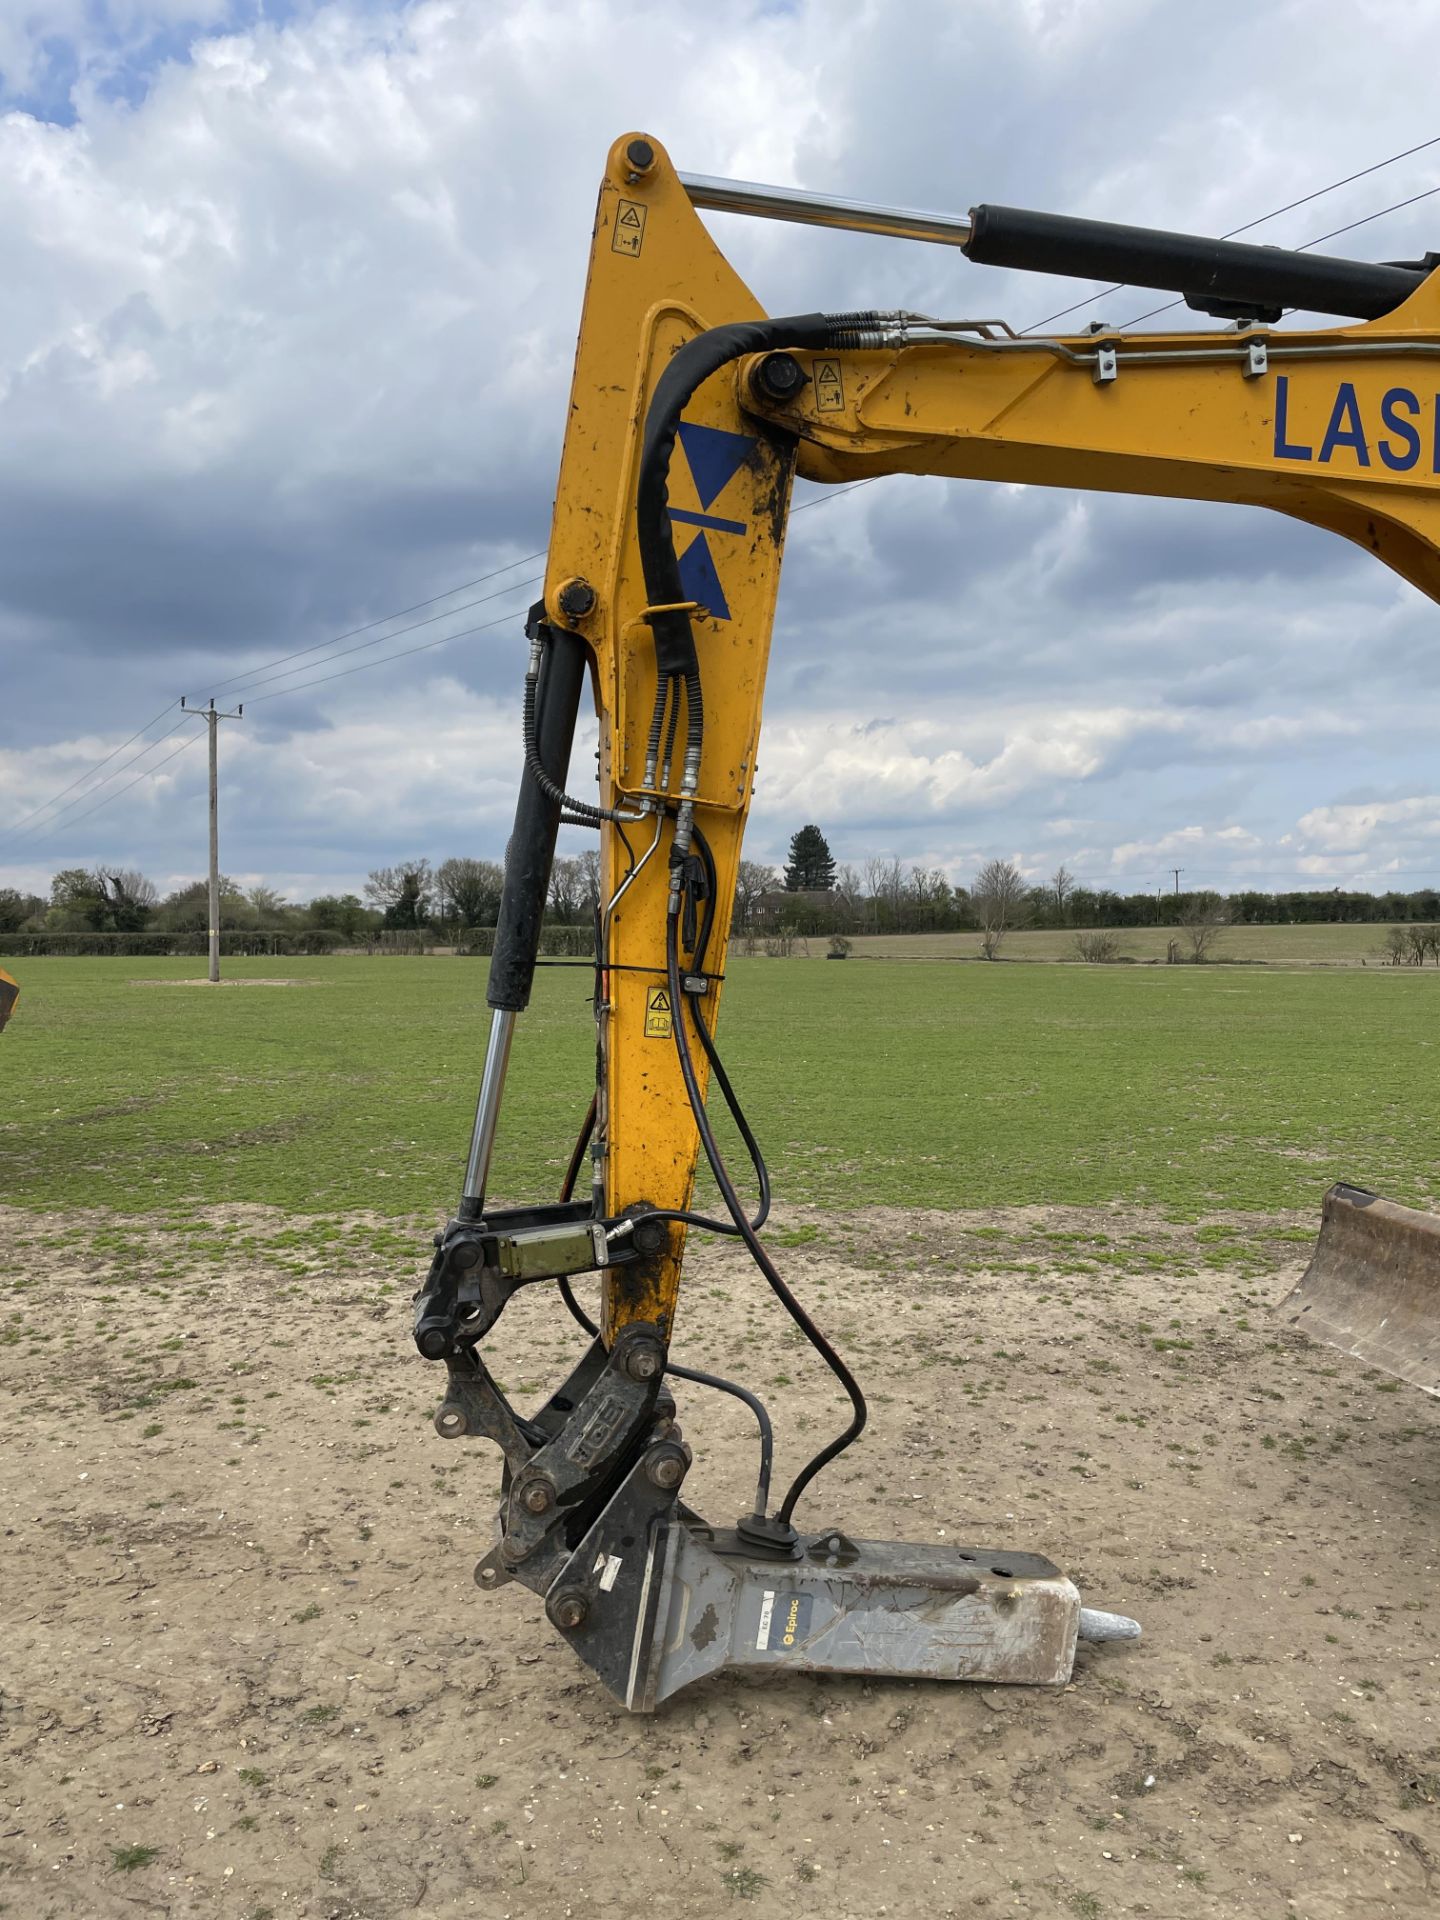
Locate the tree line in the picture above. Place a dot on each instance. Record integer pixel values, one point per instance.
(812, 895)
(447, 898)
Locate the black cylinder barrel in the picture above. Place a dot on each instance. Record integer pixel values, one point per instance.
(531, 851)
(1227, 273)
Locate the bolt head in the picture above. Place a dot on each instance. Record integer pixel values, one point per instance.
(779, 376)
(538, 1497)
(571, 1610)
(640, 155)
(667, 1471)
(644, 1360)
(576, 598)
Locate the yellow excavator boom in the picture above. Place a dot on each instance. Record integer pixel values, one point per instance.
(691, 412)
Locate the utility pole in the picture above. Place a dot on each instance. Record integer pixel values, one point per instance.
(212, 719)
(1177, 871)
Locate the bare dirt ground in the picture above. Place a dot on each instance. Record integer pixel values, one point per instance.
(246, 1671)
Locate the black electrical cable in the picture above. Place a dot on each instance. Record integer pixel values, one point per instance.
(692, 1374)
(757, 1251)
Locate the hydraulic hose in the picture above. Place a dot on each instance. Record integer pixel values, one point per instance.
(696, 361)
(736, 1209)
(692, 1374)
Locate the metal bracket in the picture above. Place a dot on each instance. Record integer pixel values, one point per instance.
(1257, 359)
(597, 1432)
(474, 1407)
(1107, 366)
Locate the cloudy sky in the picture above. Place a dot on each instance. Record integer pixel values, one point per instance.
(289, 310)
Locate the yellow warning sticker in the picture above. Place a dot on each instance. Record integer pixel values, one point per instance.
(829, 387)
(657, 1013)
(629, 234)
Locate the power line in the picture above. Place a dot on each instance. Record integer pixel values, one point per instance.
(404, 654)
(380, 639)
(264, 668)
(822, 500)
(134, 760)
(1333, 234)
(1289, 207)
(45, 807)
(335, 639)
(184, 748)
(485, 626)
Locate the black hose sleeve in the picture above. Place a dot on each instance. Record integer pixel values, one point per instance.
(551, 710)
(687, 371)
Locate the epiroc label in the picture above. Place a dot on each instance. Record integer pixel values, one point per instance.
(784, 1621)
(1339, 429)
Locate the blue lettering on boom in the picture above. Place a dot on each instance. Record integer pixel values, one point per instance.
(1284, 450)
(1399, 447)
(1397, 459)
(1345, 429)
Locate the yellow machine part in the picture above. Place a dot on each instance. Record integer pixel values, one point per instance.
(9, 994)
(1340, 427)
(1372, 1287)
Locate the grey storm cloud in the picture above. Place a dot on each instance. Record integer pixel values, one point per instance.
(290, 315)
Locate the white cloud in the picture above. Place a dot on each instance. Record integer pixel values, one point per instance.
(1359, 827)
(286, 342)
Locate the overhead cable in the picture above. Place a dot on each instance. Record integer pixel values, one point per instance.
(384, 621)
(1249, 225)
(46, 805)
(134, 760)
(1334, 233)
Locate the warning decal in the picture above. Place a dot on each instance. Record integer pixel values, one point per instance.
(629, 234)
(829, 387)
(657, 1013)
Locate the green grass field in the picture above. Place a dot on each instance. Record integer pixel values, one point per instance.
(948, 1086)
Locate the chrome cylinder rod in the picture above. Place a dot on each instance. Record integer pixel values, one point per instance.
(820, 210)
(487, 1108)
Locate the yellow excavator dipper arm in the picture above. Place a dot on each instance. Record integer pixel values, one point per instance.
(690, 413)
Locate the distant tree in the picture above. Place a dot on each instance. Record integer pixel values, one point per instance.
(569, 890)
(590, 878)
(1000, 900)
(885, 884)
(1203, 918)
(187, 909)
(340, 913)
(469, 891)
(402, 893)
(16, 908)
(78, 901)
(847, 894)
(811, 868)
(752, 882)
(927, 898)
(267, 902)
(130, 898)
(1062, 885)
